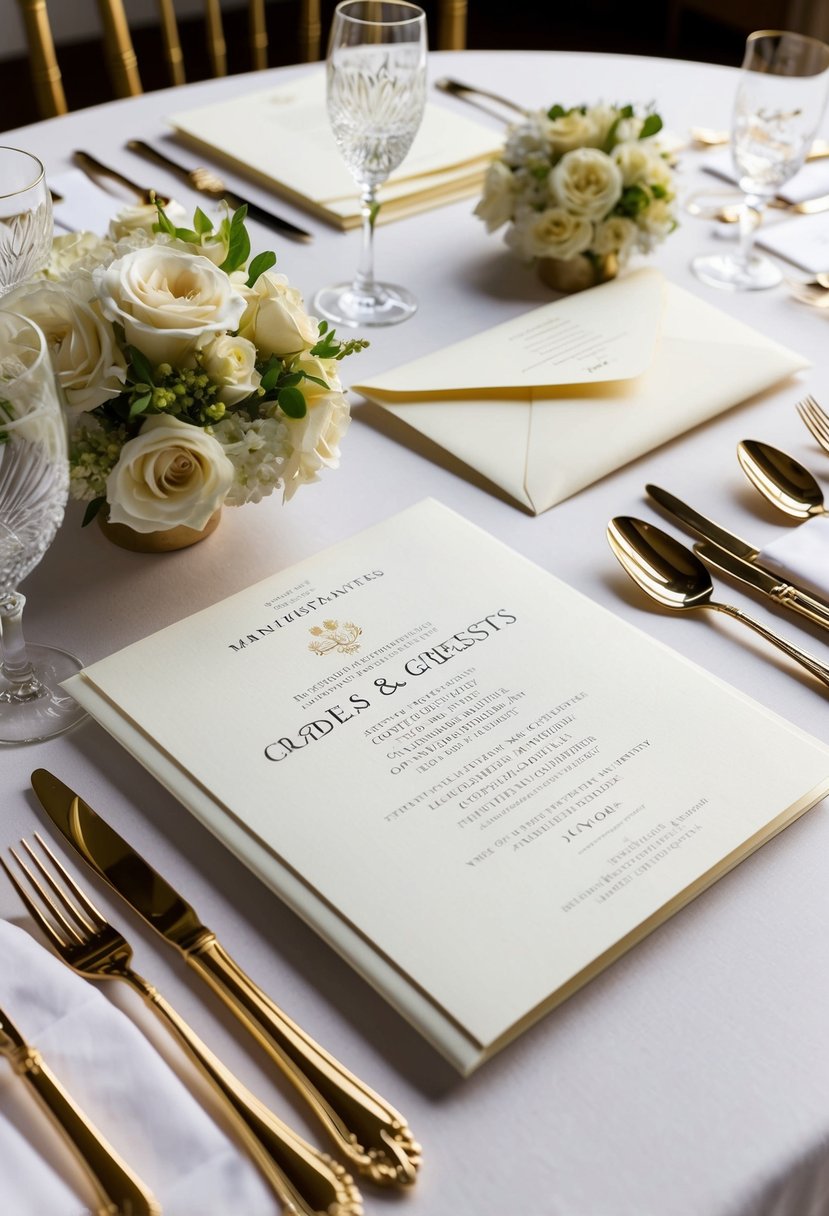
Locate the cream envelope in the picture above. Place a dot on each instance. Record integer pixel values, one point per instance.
(551, 401)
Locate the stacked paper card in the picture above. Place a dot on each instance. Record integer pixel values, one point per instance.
(282, 138)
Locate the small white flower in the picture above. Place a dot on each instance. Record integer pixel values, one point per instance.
(657, 221)
(257, 449)
(587, 182)
(496, 206)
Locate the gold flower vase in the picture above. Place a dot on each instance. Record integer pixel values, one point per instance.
(163, 541)
(577, 273)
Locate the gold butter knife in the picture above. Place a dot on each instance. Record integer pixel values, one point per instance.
(121, 1193)
(368, 1131)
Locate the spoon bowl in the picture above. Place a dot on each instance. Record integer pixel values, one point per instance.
(673, 576)
(781, 479)
(666, 570)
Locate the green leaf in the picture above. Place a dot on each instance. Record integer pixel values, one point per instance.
(201, 222)
(92, 510)
(292, 378)
(140, 404)
(238, 245)
(271, 374)
(188, 235)
(261, 263)
(555, 112)
(292, 402)
(141, 366)
(633, 201)
(314, 379)
(610, 139)
(164, 224)
(650, 126)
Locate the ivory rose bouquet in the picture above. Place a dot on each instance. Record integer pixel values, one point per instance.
(587, 181)
(192, 376)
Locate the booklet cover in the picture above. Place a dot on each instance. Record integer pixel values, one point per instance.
(282, 138)
(441, 752)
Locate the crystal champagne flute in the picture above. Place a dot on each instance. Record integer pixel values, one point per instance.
(781, 97)
(376, 91)
(25, 217)
(34, 484)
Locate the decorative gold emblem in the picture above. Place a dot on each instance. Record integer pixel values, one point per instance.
(333, 638)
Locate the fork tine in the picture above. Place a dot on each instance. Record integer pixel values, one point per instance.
(815, 419)
(89, 923)
(34, 911)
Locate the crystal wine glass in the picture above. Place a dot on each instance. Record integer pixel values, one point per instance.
(376, 70)
(34, 483)
(25, 217)
(781, 97)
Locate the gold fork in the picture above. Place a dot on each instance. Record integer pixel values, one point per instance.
(120, 1192)
(816, 419)
(307, 1182)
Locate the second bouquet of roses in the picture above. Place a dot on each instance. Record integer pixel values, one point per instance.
(193, 376)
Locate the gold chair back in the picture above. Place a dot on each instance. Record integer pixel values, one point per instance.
(120, 55)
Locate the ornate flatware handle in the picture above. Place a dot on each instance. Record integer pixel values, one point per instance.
(118, 1189)
(366, 1130)
(308, 1183)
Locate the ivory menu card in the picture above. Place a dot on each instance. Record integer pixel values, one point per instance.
(281, 137)
(442, 753)
(549, 402)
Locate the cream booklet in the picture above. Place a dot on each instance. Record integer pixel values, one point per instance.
(551, 401)
(282, 138)
(440, 751)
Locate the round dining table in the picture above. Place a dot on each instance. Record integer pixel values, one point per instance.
(690, 1078)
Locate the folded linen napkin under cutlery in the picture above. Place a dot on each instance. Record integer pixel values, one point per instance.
(123, 1086)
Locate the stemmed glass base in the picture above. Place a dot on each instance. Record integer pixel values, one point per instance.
(384, 304)
(38, 708)
(734, 273)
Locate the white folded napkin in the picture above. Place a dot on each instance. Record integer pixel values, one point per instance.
(125, 1088)
(802, 554)
(803, 241)
(809, 182)
(84, 206)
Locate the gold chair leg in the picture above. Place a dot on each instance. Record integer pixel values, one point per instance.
(120, 52)
(46, 77)
(172, 43)
(310, 30)
(258, 31)
(452, 25)
(216, 45)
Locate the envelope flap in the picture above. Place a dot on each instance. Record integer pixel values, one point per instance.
(606, 334)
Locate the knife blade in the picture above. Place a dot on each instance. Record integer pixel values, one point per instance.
(234, 200)
(366, 1129)
(706, 528)
(776, 587)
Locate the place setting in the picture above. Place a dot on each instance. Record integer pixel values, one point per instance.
(430, 706)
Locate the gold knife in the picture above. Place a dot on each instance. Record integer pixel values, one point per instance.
(365, 1128)
(117, 1187)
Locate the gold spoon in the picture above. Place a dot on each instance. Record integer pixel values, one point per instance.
(781, 479)
(673, 576)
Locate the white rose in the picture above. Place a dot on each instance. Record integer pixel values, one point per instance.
(140, 217)
(603, 117)
(656, 222)
(573, 130)
(89, 365)
(314, 440)
(320, 369)
(586, 182)
(230, 362)
(169, 302)
(553, 233)
(635, 162)
(170, 474)
(495, 207)
(614, 235)
(275, 319)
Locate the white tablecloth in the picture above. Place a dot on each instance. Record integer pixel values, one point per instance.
(692, 1078)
